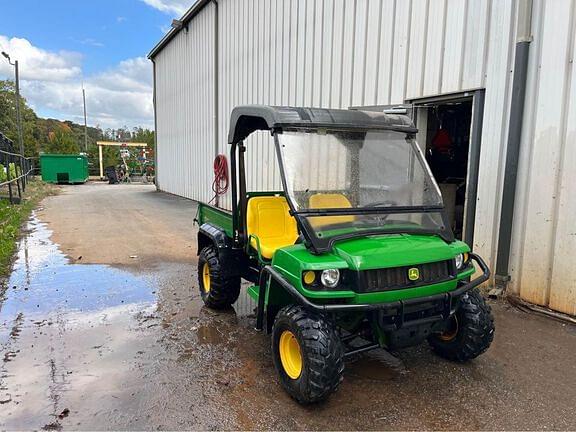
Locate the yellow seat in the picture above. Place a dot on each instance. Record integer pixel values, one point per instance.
(268, 218)
(329, 200)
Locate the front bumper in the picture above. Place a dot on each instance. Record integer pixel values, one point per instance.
(395, 313)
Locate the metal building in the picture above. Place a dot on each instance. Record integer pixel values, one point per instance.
(497, 76)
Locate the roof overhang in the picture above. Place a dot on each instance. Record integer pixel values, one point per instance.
(246, 119)
(194, 10)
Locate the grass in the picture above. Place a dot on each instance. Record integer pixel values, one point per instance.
(12, 218)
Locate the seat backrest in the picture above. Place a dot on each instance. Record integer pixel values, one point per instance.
(329, 200)
(268, 218)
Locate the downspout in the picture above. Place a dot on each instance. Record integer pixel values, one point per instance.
(155, 124)
(523, 39)
(216, 84)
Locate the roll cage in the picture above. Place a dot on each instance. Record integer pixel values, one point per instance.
(251, 118)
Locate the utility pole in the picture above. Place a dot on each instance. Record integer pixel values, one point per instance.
(85, 122)
(18, 117)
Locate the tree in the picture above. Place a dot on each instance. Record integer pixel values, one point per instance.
(61, 141)
(143, 135)
(8, 110)
(8, 125)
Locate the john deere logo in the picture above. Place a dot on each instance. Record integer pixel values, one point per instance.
(413, 274)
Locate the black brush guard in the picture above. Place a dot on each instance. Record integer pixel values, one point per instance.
(393, 314)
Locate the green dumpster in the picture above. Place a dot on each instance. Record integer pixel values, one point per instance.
(67, 168)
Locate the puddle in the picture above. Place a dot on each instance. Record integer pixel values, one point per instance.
(45, 280)
(109, 348)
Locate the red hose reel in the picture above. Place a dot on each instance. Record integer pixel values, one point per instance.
(221, 179)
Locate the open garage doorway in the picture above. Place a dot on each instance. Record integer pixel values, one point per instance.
(449, 134)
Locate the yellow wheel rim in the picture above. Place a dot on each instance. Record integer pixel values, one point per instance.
(451, 331)
(290, 354)
(206, 278)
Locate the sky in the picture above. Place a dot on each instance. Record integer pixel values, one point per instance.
(62, 45)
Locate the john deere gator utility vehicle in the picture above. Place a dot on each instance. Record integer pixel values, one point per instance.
(355, 253)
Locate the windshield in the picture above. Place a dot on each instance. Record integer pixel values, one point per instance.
(359, 180)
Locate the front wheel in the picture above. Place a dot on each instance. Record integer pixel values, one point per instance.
(308, 354)
(469, 332)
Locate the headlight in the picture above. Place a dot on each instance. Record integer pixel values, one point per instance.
(330, 278)
(461, 261)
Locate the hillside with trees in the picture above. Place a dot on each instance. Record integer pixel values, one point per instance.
(61, 137)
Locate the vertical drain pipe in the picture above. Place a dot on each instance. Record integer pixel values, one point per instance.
(216, 85)
(523, 39)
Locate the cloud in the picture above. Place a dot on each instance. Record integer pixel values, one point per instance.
(120, 19)
(52, 82)
(173, 7)
(36, 63)
(129, 75)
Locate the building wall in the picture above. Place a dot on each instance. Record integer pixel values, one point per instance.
(343, 53)
(185, 110)
(544, 235)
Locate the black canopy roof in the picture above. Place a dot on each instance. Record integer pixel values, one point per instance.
(246, 119)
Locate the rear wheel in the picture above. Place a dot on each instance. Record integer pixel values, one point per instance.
(217, 290)
(469, 332)
(308, 354)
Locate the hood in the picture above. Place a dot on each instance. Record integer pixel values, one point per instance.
(395, 250)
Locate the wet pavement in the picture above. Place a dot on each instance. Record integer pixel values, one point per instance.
(88, 344)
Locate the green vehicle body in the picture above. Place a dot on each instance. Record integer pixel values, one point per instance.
(357, 254)
(398, 282)
(365, 253)
(400, 250)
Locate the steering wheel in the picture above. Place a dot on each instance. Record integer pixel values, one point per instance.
(381, 218)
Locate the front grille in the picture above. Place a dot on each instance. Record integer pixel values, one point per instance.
(388, 279)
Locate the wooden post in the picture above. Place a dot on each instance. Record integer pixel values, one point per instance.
(100, 161)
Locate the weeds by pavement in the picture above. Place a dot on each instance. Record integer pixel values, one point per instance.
(12, 218)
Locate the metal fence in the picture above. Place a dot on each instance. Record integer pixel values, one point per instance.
(15, 170)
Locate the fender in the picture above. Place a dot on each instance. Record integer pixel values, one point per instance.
(210, 234)
(231, 259)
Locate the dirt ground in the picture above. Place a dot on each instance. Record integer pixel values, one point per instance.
(101, 327)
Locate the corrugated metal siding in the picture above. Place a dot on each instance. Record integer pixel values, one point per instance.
(545, 223)
(341, 53)
(337, 53)
(185, 110)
